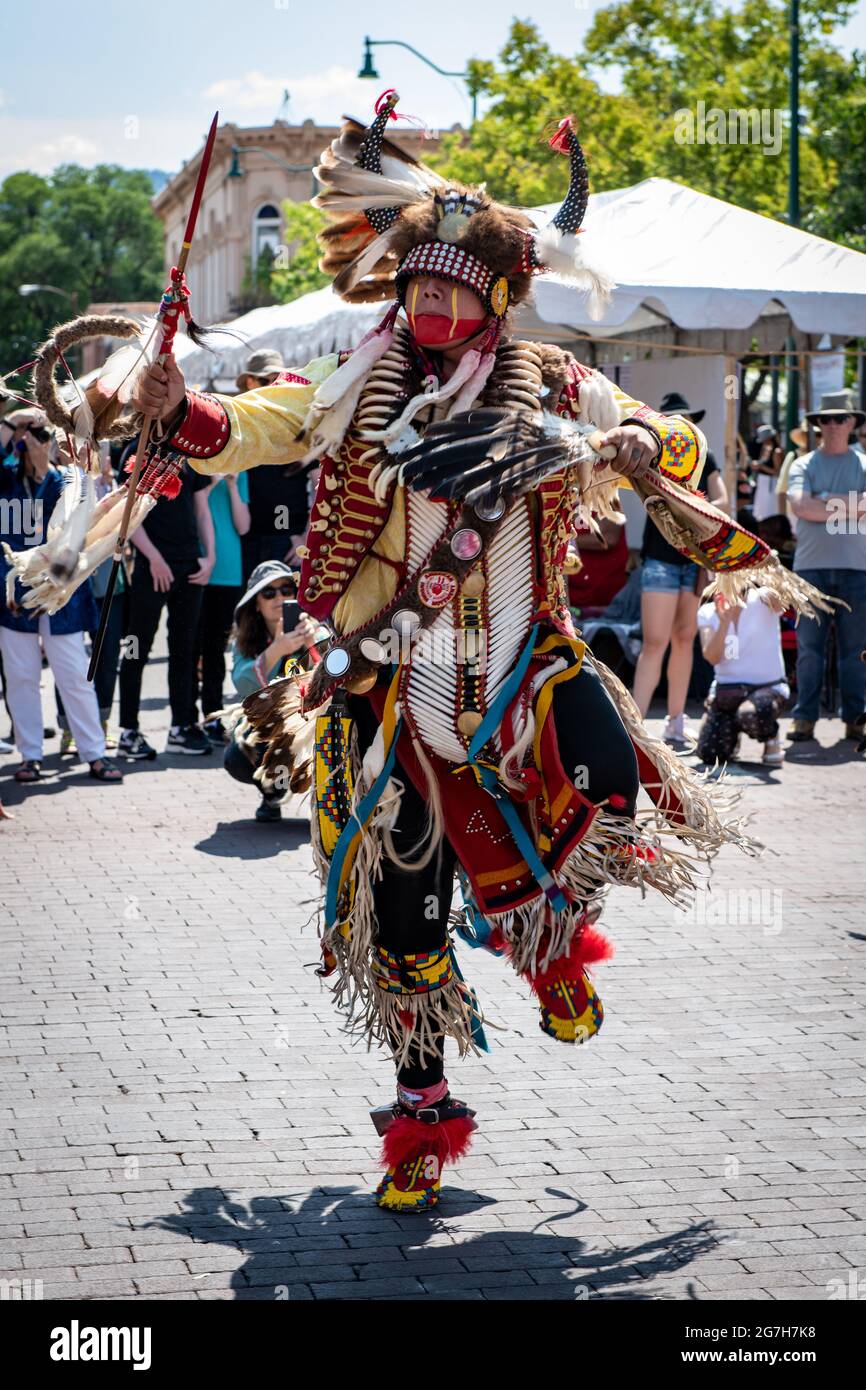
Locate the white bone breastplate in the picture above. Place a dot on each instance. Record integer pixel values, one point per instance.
(462, 660)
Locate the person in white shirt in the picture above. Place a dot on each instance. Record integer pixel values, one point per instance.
(744, 645)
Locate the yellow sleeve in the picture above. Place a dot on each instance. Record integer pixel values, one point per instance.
(264, 424)
(683, 448)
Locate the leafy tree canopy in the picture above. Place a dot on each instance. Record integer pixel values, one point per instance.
(301, 274)
(669, 56)
(90, 232)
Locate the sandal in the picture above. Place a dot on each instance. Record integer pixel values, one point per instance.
(29, 771)
(107, 771)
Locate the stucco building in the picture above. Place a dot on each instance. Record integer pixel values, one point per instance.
(241, 211)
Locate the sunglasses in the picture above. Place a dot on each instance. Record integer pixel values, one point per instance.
(39, 433)
(833, 419)
(284, 590)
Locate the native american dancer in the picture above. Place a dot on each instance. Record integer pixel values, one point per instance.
(458, 726)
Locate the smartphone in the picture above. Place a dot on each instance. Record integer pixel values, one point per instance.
(291, 614)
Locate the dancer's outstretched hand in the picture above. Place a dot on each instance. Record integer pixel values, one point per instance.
(160, 389)
(635, 448)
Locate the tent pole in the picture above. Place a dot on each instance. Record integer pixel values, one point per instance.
(732, 392)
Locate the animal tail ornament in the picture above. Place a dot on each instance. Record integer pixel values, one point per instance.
(50, 573)
(82, 535)
(100, 410)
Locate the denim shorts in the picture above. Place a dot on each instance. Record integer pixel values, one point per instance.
(661, 577)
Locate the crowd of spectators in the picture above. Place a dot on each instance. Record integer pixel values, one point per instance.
(221, 559)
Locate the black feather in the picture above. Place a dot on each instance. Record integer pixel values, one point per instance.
(482, 455)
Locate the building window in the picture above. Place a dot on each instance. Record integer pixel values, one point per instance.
(266, 230)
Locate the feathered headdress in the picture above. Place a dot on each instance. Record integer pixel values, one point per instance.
(391, 218)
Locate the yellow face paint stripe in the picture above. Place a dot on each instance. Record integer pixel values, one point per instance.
(414, 302)
(453, 311)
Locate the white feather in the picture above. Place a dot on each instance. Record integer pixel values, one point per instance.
(334, 403)
(82, 424)
(412, 173)
(565, 254)
(69, 544)
(121, 370)
(367, 260)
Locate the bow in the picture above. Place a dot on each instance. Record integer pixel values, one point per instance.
(173, 306)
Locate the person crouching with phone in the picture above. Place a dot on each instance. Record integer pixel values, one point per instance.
(743, 642)
(270, 627)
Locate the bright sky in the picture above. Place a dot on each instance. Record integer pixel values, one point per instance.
(106, 80)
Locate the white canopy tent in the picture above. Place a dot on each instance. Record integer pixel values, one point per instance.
(703, 263)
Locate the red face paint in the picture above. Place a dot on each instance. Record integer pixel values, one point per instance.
(438, 330)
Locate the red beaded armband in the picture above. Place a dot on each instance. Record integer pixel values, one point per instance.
(204, 430)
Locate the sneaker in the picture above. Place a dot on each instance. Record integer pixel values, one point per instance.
(268, 811)
(132, 745)
(67, 744)
(190, 740)
(215, 731)
(679, 731)
(774, 754)
(801, 730)
(6, 747)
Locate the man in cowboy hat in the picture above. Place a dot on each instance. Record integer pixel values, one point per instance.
(279, 504)
(261, 368)
(827, 494)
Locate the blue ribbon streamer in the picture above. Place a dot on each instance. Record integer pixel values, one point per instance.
(488, 779)
(479, 1037)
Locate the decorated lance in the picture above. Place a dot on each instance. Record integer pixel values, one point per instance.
(174, 303)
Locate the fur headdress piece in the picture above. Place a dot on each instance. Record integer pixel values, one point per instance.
(391, 218)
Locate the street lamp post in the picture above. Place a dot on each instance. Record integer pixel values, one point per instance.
(792, 408)
(236, 172)
(72, 295)
(26, 290)
(368, 67)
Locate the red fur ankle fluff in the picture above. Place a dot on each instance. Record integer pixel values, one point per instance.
(590, 948)
(407, 1139)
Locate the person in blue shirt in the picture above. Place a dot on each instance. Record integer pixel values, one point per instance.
(260, 650)
(30, 488)
(228, 499)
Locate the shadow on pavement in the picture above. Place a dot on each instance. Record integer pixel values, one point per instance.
(844, 750)
(247, 839)
(294, 1241)
(68, 774)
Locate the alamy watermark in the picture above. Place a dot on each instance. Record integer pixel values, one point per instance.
(737, 907)
(22, 516)
(738, 126)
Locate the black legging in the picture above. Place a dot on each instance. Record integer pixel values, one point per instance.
(412, 907)
(214, 626)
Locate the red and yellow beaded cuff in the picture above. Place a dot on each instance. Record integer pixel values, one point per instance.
(679, 444)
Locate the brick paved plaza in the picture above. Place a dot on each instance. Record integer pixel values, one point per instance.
(182, 1117)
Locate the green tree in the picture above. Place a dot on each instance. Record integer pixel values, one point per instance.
(669, 55)
(532, 88)
(300, 274)
(672, 54)
(255, 290)
(90, 232)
